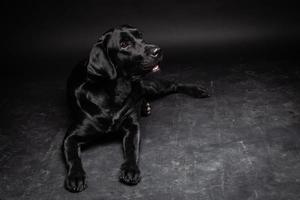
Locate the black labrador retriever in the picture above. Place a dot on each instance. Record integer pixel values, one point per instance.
(108, 93)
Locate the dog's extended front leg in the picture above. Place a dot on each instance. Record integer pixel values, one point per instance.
(76, 178)
(130, 172)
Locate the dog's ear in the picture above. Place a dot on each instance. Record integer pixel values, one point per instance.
(99, 64)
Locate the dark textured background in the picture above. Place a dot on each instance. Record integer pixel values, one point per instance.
(242, 143)
(53, 32)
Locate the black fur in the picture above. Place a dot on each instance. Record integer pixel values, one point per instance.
(108, 93)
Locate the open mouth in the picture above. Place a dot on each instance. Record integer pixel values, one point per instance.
(152, 68)
(155, 68)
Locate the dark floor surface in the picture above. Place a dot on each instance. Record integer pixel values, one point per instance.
(243, 143)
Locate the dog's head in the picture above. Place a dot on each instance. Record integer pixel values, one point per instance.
(123, 52)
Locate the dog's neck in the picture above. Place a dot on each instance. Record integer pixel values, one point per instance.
(120, 87)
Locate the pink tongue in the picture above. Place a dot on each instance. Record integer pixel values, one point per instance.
(156, 68)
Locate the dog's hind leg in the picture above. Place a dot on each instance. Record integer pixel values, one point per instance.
(158, 88)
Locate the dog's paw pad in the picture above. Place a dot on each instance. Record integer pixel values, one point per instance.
(76, 182)
(130, 175)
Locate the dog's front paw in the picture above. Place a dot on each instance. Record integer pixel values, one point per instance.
(76, 181)
(130, 174)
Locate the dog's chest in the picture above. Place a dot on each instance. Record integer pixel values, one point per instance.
(122, 91)
(115, 105)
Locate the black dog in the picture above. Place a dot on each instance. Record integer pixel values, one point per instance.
(108, 93)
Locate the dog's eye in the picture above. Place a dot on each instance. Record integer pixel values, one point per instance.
(125, 44)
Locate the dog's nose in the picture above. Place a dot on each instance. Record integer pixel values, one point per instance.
(155, 51)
